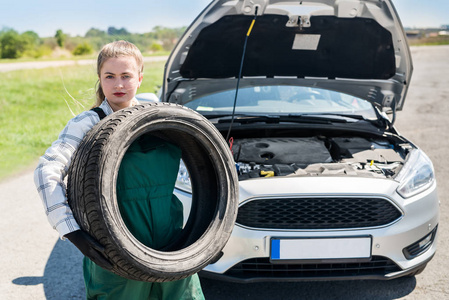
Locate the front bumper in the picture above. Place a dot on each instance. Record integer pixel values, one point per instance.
(246, 256)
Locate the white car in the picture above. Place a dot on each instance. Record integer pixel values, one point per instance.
(328, 188)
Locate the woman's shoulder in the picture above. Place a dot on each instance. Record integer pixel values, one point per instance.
(85, 116)
(80, 124)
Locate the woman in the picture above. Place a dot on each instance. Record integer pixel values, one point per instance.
(120, 73)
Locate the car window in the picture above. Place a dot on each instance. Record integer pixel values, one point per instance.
(282, 100)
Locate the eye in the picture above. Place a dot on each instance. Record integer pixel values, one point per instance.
(109, 77)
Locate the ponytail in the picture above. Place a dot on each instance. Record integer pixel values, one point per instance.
(99, 94)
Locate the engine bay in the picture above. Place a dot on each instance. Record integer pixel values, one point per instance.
(318, 156)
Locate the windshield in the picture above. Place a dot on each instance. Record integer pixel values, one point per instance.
(282, 100)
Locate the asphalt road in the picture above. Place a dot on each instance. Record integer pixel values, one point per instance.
(37, 265)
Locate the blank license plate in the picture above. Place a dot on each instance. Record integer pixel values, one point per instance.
(321, 248)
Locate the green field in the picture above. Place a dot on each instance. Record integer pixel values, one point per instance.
(35, 105)
(429, 41)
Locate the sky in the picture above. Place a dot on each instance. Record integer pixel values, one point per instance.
(76, 17)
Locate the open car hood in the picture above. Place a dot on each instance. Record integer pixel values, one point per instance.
(357, 47)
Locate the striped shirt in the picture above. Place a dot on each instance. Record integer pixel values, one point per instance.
(53, 166)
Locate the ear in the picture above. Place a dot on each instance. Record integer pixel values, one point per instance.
(140, 80)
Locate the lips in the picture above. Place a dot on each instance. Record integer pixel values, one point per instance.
(119, 94)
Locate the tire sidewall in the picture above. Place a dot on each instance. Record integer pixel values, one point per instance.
(160, 117)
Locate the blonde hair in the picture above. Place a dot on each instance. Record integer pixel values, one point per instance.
(113, 50)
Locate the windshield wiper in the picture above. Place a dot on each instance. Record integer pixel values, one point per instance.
(324, 115)
(378, 122)
(246, 119)
(275, 119)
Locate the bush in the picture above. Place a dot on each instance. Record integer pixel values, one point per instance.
(42, 50)
(156, 47)
(83, 49)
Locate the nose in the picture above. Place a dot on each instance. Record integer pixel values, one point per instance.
(118, 84)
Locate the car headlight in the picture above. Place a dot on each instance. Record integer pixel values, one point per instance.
(183, 179)
(416, 176)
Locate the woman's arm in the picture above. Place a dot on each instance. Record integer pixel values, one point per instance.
(53, 167)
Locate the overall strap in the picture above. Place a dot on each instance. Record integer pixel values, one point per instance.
(100, 112)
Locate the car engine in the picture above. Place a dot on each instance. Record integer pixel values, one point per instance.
(318, 156)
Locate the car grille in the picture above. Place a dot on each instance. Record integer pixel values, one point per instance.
(317, 213)
(262, 268)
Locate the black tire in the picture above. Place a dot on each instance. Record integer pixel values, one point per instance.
(92, 190)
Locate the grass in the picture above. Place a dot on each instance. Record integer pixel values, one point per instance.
(82, 57)
(430, 41)
(33, 108)
(28, 59)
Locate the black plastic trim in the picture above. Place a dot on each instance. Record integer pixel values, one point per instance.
(389, 276)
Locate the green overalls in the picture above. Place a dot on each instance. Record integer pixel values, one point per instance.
(154, 216)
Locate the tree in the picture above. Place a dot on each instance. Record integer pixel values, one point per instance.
(167, 36)
(32, 44)
(118, 32)
(31, 38)
(12, 44)
(60, 38)
(94, 32)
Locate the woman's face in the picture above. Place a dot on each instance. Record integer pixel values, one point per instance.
(120, 78)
